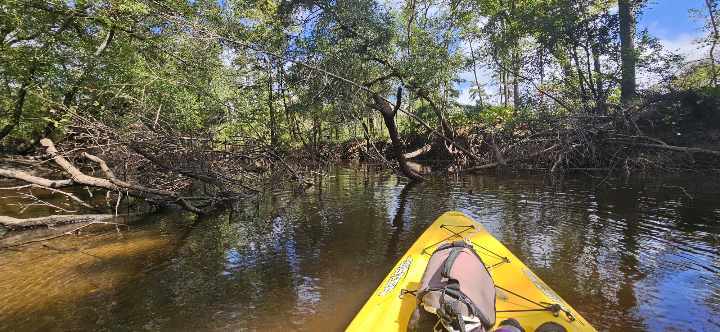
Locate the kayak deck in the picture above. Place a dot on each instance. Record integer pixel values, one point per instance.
(520, 293)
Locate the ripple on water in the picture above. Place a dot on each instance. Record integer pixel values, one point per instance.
(628, 258)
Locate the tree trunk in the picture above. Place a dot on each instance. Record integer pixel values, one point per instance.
(388, 114)
(515, 65)
(516, 92)
(477, 81)
(367, 138)
(503, 88)
(711, 4)
(581, 77)
(445, 127)
(600, 87)
(516, 74)
(627, 50)
(271, 107)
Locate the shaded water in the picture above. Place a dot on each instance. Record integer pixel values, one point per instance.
(630, 257)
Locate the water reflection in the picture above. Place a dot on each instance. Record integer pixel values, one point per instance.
(629, 257)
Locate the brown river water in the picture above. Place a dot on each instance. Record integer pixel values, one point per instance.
(642, 255)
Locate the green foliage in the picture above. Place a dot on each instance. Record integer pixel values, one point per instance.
(696, 77)
(267, 70)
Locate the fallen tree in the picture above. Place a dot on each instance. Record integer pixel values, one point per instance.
(15, 224)
(109, 182)
(155, 165)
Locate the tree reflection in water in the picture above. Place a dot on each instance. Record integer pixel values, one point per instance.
(629, 257)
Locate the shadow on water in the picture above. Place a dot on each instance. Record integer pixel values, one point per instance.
(629, 257)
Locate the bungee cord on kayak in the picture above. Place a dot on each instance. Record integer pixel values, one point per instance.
(544, 306)
(458, 234)
(450, 296)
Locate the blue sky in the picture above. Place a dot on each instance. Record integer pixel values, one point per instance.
(668, 20)
(672, 22)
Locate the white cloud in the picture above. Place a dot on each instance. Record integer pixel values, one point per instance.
(465, 98)
(484, 77)
(686, 45)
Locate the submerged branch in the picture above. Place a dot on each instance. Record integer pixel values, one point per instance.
(49, 221)
(73, 231)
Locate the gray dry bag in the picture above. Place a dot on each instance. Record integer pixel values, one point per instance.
(456, 292)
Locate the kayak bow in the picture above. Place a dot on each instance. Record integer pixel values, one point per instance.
(520, 293)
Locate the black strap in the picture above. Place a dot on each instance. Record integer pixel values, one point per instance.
(456, 244)
(452, 287)
(462, 244)
(450, 261)
(451, 296)
(449, 313)
(452, 290)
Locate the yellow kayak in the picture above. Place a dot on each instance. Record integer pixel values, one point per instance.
(520, 294)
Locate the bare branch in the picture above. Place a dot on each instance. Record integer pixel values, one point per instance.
(496, 164)
(29, 178)
(18, 223)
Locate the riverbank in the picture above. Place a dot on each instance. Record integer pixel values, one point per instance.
(665, 134)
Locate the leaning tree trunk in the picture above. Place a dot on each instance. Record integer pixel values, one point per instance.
(388, 113)
(627, 50)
